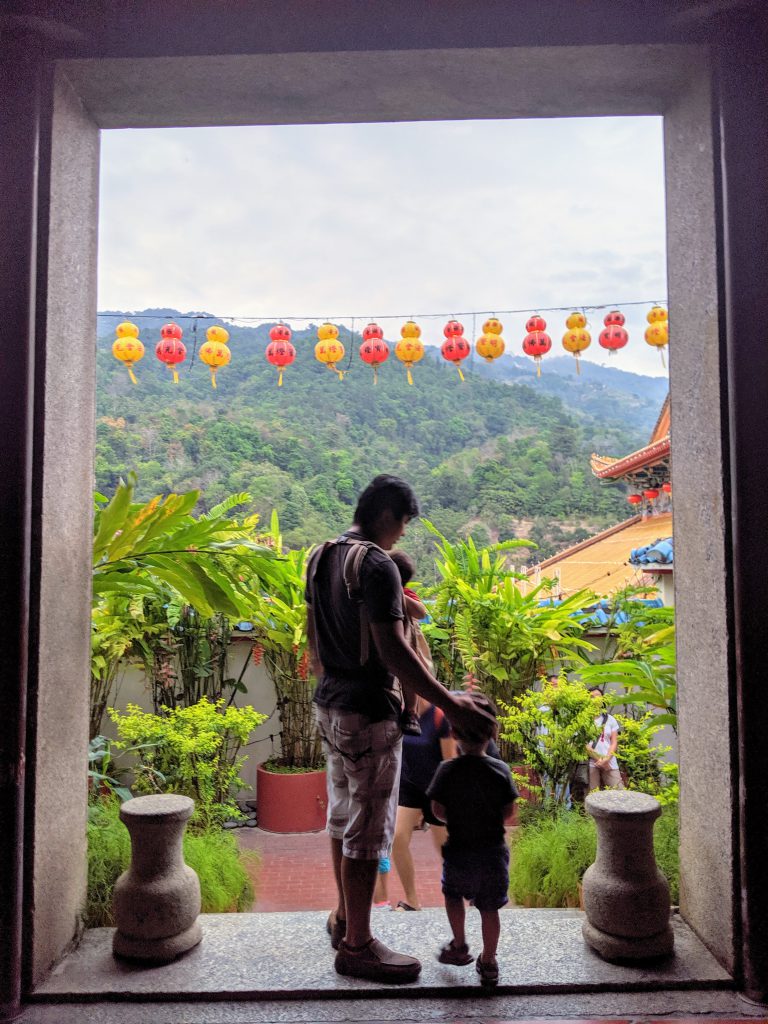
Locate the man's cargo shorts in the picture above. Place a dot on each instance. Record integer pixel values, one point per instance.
(363, 778)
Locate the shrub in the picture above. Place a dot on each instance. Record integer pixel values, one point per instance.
(550, 856)
(194, 751)
(225, 881)
(637, 757)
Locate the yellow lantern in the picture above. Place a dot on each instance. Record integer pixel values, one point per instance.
(576, 339)
(409, 349)
(329, 349)
(127, 347)
(215, 353)
(490, 344)
(576, 321)
(657, 334)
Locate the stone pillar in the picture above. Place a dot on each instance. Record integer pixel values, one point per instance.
(157, 901)
(626, 897)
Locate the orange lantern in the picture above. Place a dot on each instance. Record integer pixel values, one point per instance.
(280, 352)
(329, 349)
(634, 499)
(127, 347)
(490, 344)
(657, 334)
(577, 338)
(536, 343)
(170, 349)
(455, 347)
(374, 350)
(410, 348)
(215, 353)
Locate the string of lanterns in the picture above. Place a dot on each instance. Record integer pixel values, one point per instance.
(409, 350)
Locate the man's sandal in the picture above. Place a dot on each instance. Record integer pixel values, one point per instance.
(459, 956)
(402, 905)
(336, 929)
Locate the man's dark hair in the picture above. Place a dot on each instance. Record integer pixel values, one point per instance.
(385, 492)
(405, 565)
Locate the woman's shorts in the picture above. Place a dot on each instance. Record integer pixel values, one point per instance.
(412, 796)
(478, 875)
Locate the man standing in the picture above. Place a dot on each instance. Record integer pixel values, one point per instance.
(604, 772)
(359, 650)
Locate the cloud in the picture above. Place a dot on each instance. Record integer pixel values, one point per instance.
(389, 220)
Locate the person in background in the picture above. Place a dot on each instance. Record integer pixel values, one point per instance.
(603, 767)
(474, 795)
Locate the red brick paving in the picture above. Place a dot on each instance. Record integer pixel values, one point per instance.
(295, 872)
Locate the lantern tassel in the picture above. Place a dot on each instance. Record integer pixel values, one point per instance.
(213, 378)
(175, 375)
(663, 361)
(461, 375)
(375, 375)
(538, 367)
(578, 365)
(410, 376)
(132, 375)
(280, 378)
(340, 373)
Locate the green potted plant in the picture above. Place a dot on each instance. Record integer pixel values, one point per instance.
(291, 785)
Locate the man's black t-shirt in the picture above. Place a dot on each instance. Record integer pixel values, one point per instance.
(346, 684)
(474, 792)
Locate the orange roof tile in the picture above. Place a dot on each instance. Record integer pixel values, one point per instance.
(601, 563)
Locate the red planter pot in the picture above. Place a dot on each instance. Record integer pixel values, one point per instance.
(291, 803)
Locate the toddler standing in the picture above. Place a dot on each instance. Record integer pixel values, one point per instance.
(474, 795)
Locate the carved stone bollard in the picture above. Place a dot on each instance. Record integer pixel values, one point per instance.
(157, 900)
(626, 897)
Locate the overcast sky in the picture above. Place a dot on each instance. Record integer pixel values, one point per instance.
(390, 220)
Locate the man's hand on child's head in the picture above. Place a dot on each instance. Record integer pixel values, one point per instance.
(469, 720)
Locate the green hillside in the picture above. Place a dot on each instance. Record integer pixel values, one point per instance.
(498, 460)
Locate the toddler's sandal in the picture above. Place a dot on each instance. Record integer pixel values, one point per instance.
(459, 956)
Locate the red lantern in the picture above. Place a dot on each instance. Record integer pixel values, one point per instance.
(280, 352)
(455, 347)
(651, 493)
(374, 350)
(170, 349)
(536, 343)
(280, 332)
(634, 499)
(667, 488)
(614, 319)
(613, 337)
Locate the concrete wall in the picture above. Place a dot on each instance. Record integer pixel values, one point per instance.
(59, 852)
(701, 596)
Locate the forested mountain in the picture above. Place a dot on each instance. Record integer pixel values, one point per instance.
(495, 459)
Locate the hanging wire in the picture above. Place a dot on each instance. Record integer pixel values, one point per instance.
(417, 316)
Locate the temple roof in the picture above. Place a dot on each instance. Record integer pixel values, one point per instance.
(601, 563)
(653, 457)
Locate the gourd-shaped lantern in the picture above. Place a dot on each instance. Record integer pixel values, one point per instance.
(410, 348)
(280, 352)
(127, 348)
(577, 337)
(329, 349)
(374, 350)
(536, 343)
(171, 349)
(455, 347)
(614, 336)
(657, 334)
(634, 499)
(490, 344)
(215, 353)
